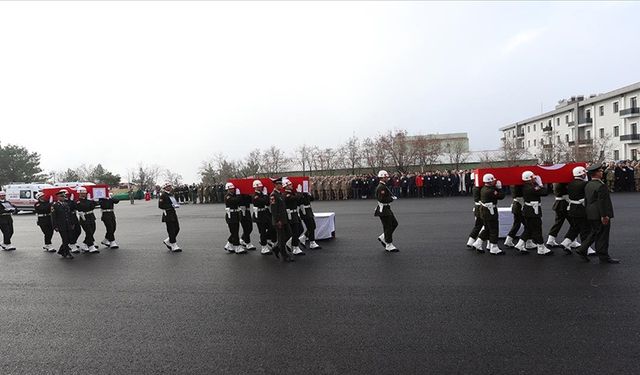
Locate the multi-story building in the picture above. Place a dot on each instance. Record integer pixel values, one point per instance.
(608, 120)
(459, 141)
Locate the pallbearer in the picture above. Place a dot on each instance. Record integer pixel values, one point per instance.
(474, 241)
(168, 204)
(6, 222)
(87, 220)
(42, 209)
(577, 214)
(246, 222)
(261, 215)
(490, 193)
(516, 211)
(232, 217)
(63, 222)
(306, 214)
(109, 220)
(560, 208)
(291, 200)
(532, 190)
(383, 211)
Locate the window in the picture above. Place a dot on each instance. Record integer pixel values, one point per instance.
(588, 134)
(601, 132)
(633, 102)
(616, 132)
(528, 129)
(615, 107)
(558, 139)
(25, 194)
(534, 142)
(566, 119)
(634, 128)
(534, 127)
(634, 154)
(587, 113)
(601, 110)
(558, 121)
(566, 137)
(616, 155)
(528, 143)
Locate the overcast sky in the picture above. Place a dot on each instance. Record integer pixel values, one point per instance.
(173, 83)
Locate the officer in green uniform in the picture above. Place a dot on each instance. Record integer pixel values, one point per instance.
(280, 221)
(383, 211)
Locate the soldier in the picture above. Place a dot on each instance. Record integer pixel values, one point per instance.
(6, 222)
(168, 204)
(261, 215)
(87, 221)
(42, 209)
(291, 199)
(560, 208)
(246, 222)
(76, 230)
(532, 190)
(518, 219)
(280, 221)
(306, 214)
(232, 217)
(490, 193)
(109, 219)
(131, 195)
(599, 213)
(344, 187)
(576, 214)
(474, 241)
(383, 211)
(201, 193)
(63, 223)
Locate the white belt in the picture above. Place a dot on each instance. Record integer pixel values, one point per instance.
(306, 205)
(534, 205)
(580, 202)
(381, 205)
(302, 209)
(289, 212)
(230, 210)
(43, 215)
(490, 206)
(563, 198)
(107, 210)
(477, 203)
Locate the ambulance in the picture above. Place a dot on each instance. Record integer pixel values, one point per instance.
(23, 196)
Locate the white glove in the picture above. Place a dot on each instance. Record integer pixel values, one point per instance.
(539, 181)
(499, 184)
(394, 197)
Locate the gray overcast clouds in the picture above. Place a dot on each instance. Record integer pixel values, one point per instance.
(172, 83)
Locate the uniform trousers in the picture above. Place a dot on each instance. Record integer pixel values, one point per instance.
(578, 226)
(561, 216)
(389, 225)
(518, 220)
(600, 236)
(109, 220)
(247, 227)
(263, 229)
(47, 229)
(477, 227)
(173, 228)
(234, 230)
(89, 227)
(533, 230)
(310, 224)
(6, 227)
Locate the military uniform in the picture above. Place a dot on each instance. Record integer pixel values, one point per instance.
(576, 214)
(168, 204)
(43, 212)
(560, 208)
(262, 218)
(109, 219)
(516, 211)
(280, 221)
(6, 224)
(87, 222)
(489, 196)
(246, 222)
(477, 214)
(232, 217)
(532, 213)
(77, 230)
(309, 220)
(383, 211)
(291, 200)
(63, 223)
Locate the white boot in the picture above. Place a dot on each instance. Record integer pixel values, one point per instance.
(106, 242)
(242, 243)
(566, 245)
(74, 248)
(551, 241)
(390, 248)
(93, 249)
(590, 251)
(575, 244)
(529, 245)
(167, 243)
(270, 244)
(508, 242)
(302, 239)
(175, 248)
(250, 246)
(114, 245)
(297, 251)
(495, 250)
(3, 246)
(381, 239)
(229, 247)
(543, 250)
(520, 246)
(240, 250)
(470, 242)
(478, 245)
(84, 248)
(265, 250)
(314, 245)
(288, 244)
(9, 247)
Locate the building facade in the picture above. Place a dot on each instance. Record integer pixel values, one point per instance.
(606, 123)
(448, 140)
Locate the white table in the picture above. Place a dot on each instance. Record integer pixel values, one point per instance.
(505, 218)
(325, 225)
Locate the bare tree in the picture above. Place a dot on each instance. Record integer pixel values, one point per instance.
(373, 154)
(488, 159)
(208, 173)
(275, 161)
(252, 164)
(512, 151)
(352, 155)
(225, 167)
(397, 146)
(456, 152)
(427, 150)
(303, 156)
(173, 178)
(146, 176)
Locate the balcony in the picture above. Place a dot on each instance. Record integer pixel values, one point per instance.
(547, 146)
(630, 137)
(547, 129)
(586, 122)
(571, 123)
(630, 112)
(588, 141)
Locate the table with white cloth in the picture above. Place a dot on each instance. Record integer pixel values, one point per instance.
(506, 221)
(325, 225)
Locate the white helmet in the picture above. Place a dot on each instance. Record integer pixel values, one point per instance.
(81, 190)
(527, 176)
(286, 181)
(257, 184)
(40, 194)
(229, 185)
(488, 178)
(383, 173)
(579, 171)
(167, 185)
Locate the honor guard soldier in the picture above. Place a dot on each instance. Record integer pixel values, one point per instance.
(306, 214)
(87, 220)
(560, 208)
(383, 211)
(109, 220)
(576, 213)
(246, 222)
(261, 215)
(490, 193)
(532, 190)
(42, 209)
(232, 217)
(599, 214)
(291, 200)
(77, 230)
(518, 219)
(63, 223)
(474, 241)
(168, 204)
(6, 222)
(280, 221)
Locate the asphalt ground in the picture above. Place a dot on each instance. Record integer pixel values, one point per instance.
(435, 307)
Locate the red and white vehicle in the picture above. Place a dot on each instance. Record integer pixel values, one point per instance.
(23, 196)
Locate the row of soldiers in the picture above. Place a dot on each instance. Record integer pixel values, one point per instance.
(584, 203)
(67, 217)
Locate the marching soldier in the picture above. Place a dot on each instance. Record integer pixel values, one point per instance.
(599, 213)
(577, 215)
(109, 220)
(518, 219)
(232, 217)
(6, 222)
(76, 230)
(63, 223)
(246, 222)
(306, 214)
(291, 199)
(560, 208)
(532, 190)
(87, 220)
(42, 209)
(280, 221)
(383, 211)
(490, 193)
(261, 215)
(168, 204)
(474, 241)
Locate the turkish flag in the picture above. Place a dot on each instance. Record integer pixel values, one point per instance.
(557, 173)
(245, 185)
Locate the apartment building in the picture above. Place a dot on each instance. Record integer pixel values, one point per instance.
(609, 119)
